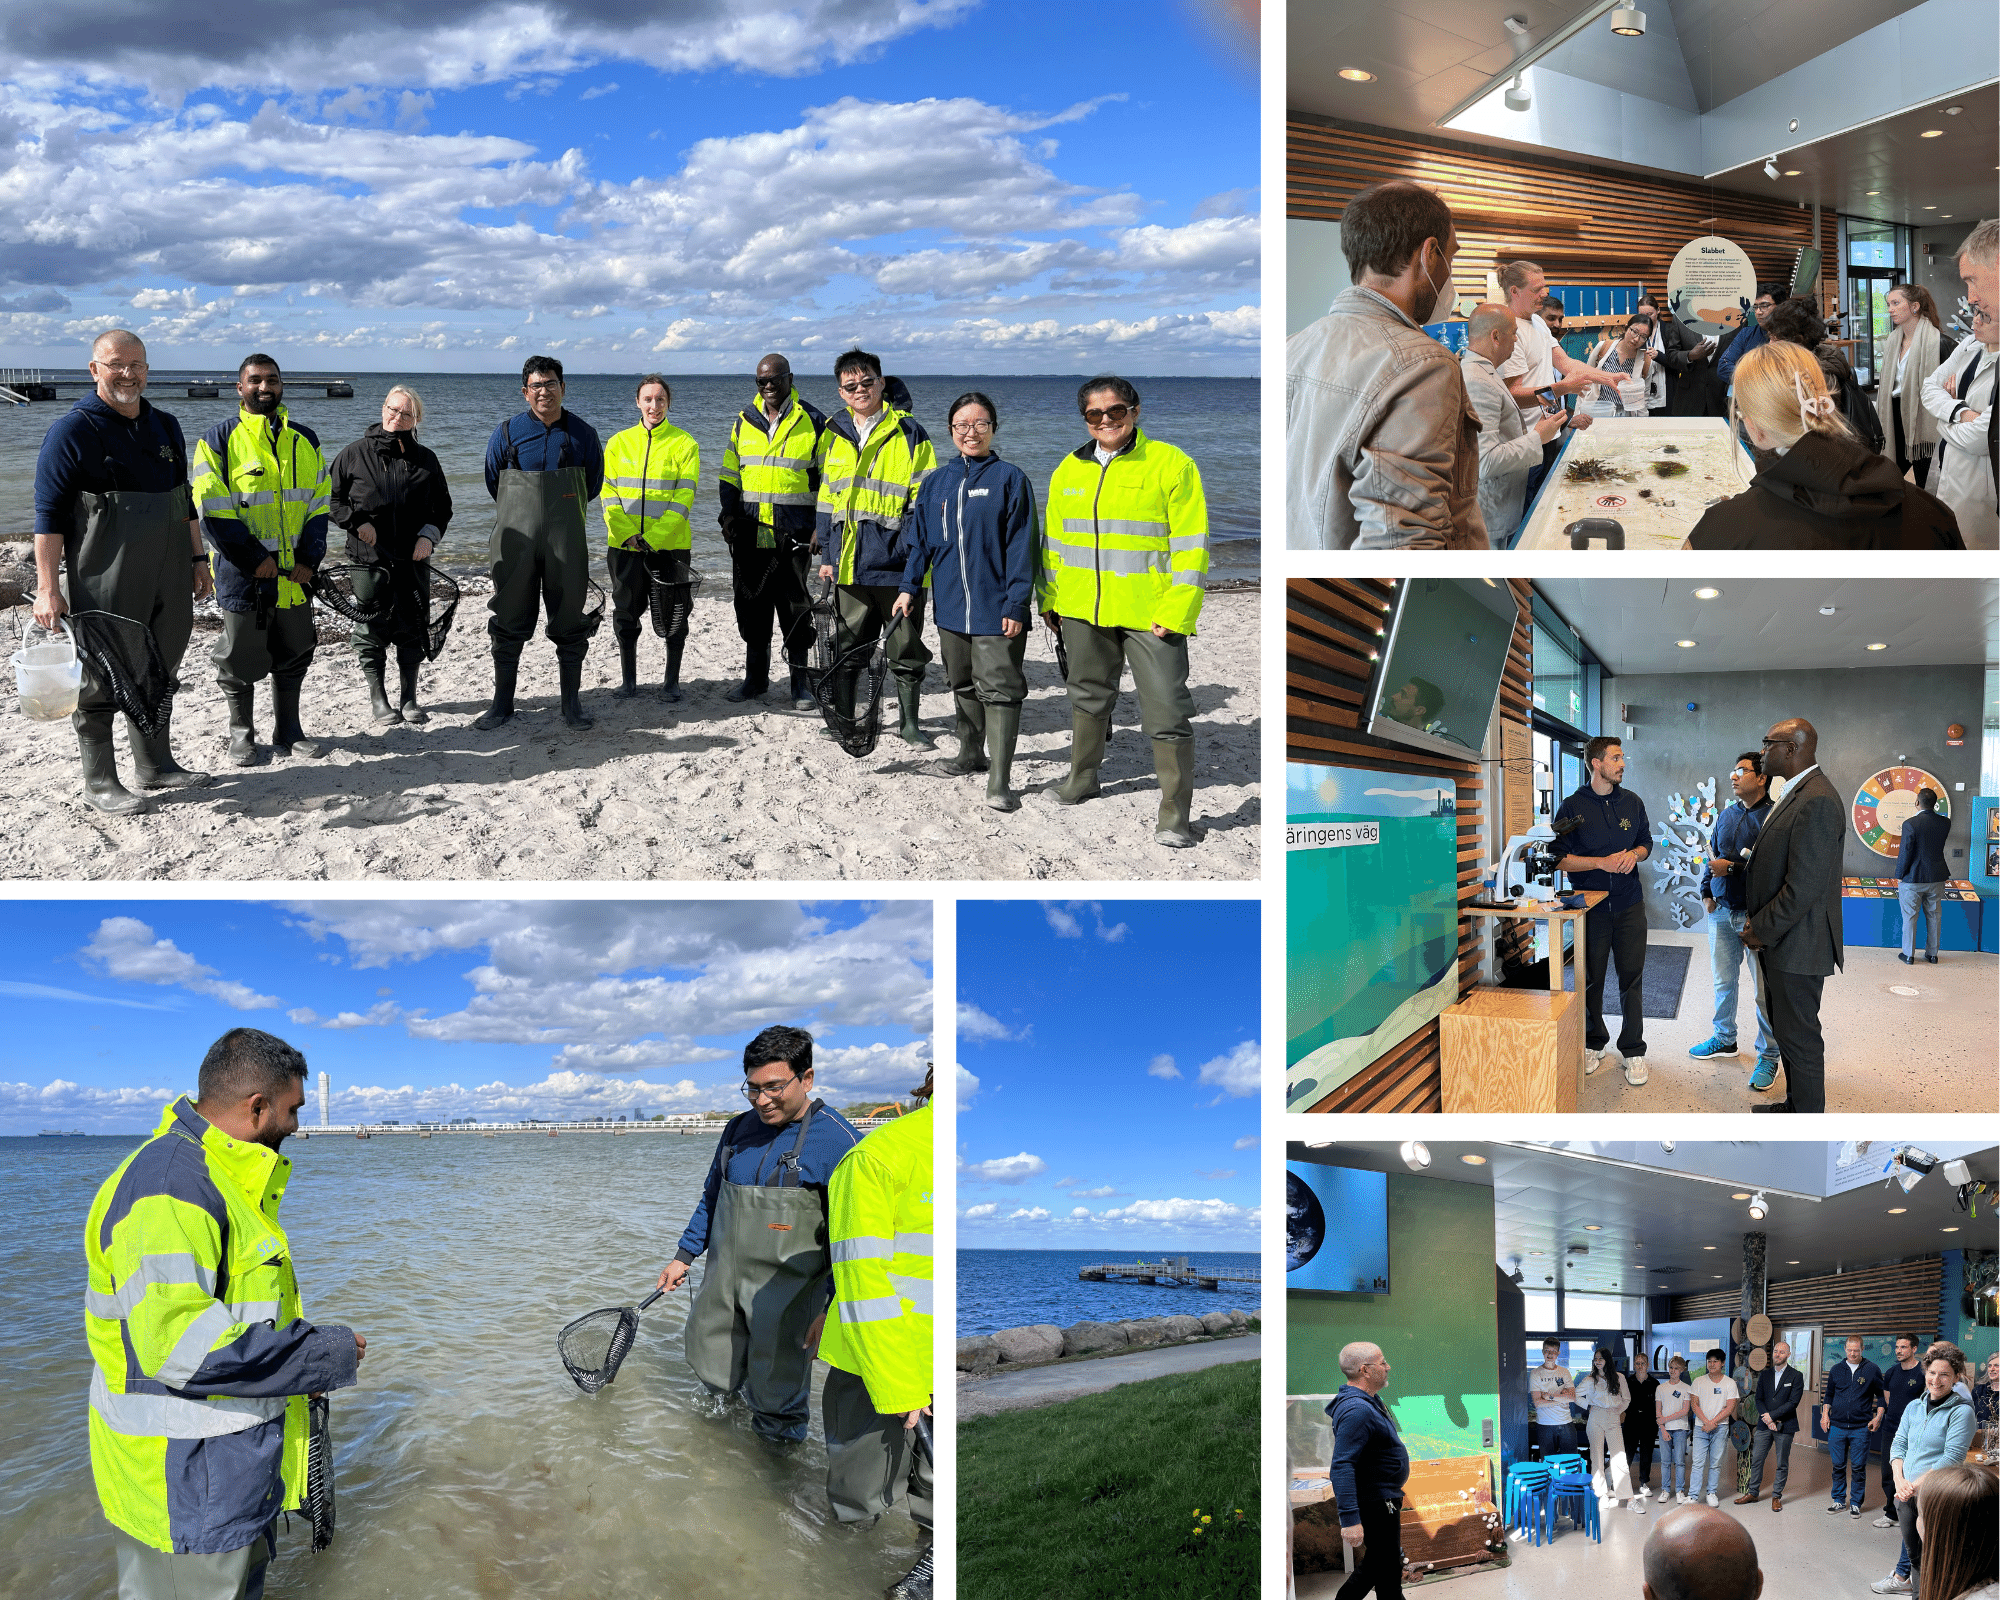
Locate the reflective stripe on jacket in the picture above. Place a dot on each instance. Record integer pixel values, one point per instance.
(1125, 542)
(649, 480)
(771, 469)
(865, 492)
(261, 488)
(202, 1361)
(879, 1224)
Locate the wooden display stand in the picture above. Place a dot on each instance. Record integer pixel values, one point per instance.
(1511, 1050)
(1449, 1518)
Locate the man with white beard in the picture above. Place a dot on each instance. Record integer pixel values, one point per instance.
(112, 506)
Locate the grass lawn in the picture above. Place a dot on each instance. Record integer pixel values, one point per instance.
(1093, 1499)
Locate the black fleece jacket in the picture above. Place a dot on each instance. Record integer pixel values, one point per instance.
(1826, 493)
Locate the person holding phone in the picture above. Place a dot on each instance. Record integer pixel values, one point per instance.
(1510, 447)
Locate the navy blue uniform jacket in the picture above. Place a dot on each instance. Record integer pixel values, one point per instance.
(91, 449)
(523, 442)
(1735, 830)
(974, 532)
(1607, 824)
(1853, 1396)
(1368, 1453)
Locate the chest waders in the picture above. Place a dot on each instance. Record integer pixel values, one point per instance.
(540, 559)
(767, 1264)
(404, 583)
(129, 554)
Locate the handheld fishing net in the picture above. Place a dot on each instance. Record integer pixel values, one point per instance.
(847, 679)
(430, 612)
(318, 1501)
(126, 658)
(593, 1346)
(671, 596)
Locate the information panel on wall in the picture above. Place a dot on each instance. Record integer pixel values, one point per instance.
(1711, 286)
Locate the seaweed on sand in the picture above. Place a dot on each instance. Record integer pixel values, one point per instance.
(1595, 472)
(1670, 469)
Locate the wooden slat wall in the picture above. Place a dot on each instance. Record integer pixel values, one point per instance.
(1616, 227)
(1333, 628)
(1875, 1302)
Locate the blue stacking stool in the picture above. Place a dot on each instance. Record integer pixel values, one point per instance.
(1567, 1462)
(1529, 1501)
(1575, 1485)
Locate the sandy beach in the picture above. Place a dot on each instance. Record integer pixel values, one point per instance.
(701, 790)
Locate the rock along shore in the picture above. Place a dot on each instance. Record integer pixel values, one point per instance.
(1042, 1342)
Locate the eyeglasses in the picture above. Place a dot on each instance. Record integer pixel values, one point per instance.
(129, 368)
(859, 385)
(541, 388)
(981, 426)
(753, 1092)
(1767, 742)
(1112, 414)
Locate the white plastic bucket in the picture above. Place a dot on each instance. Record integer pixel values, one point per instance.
(47, 674)
(1632, 395)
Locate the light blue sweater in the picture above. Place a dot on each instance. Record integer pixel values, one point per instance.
(1933, 1433)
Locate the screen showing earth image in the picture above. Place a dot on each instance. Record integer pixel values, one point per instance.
(1336, 1229)
(1371, 918)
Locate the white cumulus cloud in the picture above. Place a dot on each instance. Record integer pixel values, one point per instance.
(1237, 1072)
(975, 1024)
(985, 1210)
(124, 948)
(1162, 1067)
(1004, 1169)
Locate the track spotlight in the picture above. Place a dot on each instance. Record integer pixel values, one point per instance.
(1667, 1145)
(1416, 1156)
(1629, 21)
(1518, 98)
(1771, 169)
(1759, 1207)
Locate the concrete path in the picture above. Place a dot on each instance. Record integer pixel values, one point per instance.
(1043, 1386)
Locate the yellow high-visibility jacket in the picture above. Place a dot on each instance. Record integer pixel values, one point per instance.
(879, 1225)
(1125, 542)
(865, 492)
(771, 470)
(649, 482)
(202, 1357)
(261, 488)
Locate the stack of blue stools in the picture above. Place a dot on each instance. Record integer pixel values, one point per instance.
(1529, 1503)
(1566, 1486)
(1569, 1462)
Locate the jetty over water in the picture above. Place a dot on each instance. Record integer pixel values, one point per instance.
(19, 386)
(1173, 1271)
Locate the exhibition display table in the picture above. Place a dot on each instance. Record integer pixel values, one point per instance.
(1652, 477)
(1871, 915)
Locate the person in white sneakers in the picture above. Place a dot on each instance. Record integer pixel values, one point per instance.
(1642, 1427)
(1674, 1404)
(1607, 837)
(1605, 1397)
(1715, 1399)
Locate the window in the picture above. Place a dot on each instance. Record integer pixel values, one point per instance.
(1593, 1311)
(1558, 676)
(1540, 1305)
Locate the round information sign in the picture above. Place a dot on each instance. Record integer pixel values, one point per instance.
(1711, 286)
(1887, 800)
(1760, 1329)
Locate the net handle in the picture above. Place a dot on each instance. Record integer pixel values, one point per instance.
(641, 1306)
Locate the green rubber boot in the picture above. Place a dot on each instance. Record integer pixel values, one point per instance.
(1173, 760)
(153, 760)
(101, 789)
(1003, 727)
(971, 731)
(1086, 755)
(909, 693)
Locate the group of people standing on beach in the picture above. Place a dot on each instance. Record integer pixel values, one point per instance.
(1117, 567)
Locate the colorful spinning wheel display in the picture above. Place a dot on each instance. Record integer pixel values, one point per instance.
(1887, 800)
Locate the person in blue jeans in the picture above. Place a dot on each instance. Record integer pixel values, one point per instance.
(1724, 899)
(1674, 1405)
(1851, 1409)
(1715, 1400)
(1922, 876)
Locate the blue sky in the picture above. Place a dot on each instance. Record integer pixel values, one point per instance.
(1109, 1059)
(963, 185)
(438, 1009)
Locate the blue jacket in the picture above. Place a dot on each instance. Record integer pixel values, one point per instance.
(1607, 824)
(974, 532)
(1853, 1396)
(1369, 1458)
(1932, 1434)
(1921, 858)
(1752, 336)
(523, 442)
(755, 1162)
(1734, 832)
(92, 449)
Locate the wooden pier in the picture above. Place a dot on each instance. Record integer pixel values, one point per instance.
(1173, 1271)
(18, 387)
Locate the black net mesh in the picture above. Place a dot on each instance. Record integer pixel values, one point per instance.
(443, 600)
(847, 682)
(593, 607)
(430, 613)
(333, 587)
(126, 658)
(318, 1503)
(592, 1346)
(671, 597)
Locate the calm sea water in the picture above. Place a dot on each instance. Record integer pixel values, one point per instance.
(1213, 419)
(1011, 1288)
(467, 1463)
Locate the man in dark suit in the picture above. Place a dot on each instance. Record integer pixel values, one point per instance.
(1921, 875)
(1793, 888)
(1780, 1388)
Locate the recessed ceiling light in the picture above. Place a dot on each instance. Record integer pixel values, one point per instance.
(1716, 1275)
(1827, 611)
(1687, 644)
(1947, 1230)
(1791, 1263)
(1878, 647)
(1952, 111)
(1473, 1161)
(1791, 172)
(1745, 1195)
(1356, 75)
(1897, 1211)
(1706, 594)
(1659, 1286)
(1930, 208)
(1944, 216)
(1708, 1247)
(1931, 133)
(1593, 1227)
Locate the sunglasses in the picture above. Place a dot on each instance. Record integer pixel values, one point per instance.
(1112, 414)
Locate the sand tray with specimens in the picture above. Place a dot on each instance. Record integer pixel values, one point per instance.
(1654, 478)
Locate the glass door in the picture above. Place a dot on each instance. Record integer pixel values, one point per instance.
(1867, 311)
(1805, 1348)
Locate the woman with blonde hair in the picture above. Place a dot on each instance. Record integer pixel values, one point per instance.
(1916, 346)
(1817, 487)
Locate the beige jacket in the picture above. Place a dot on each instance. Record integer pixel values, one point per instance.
(1508, 448)
(1381, 443)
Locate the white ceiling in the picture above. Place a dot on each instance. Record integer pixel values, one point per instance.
(1656, 1228)
(1774, 624)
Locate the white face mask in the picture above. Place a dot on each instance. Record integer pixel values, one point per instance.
(1438, 294)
